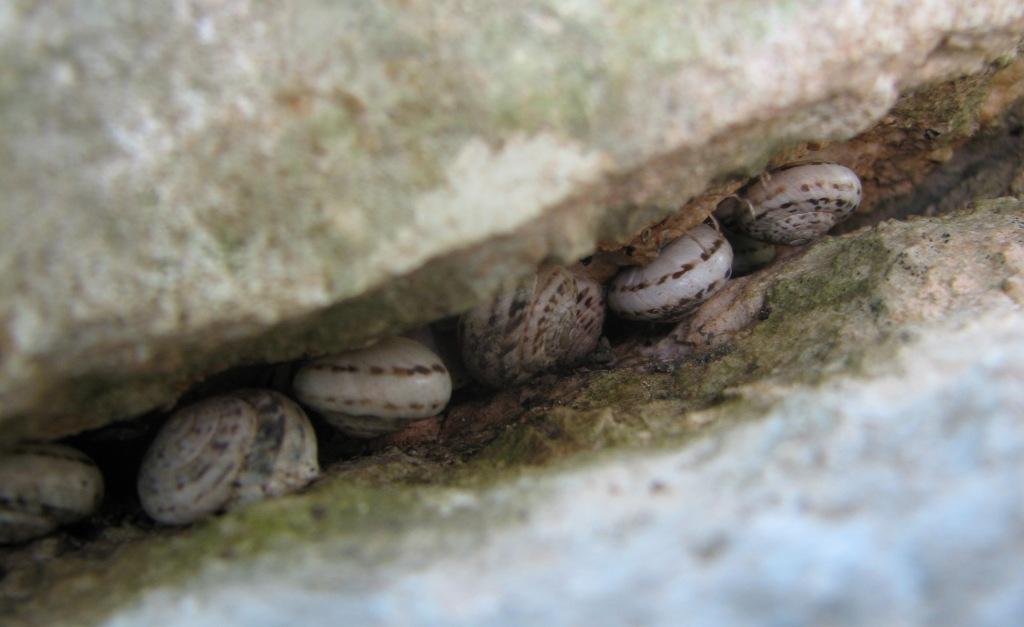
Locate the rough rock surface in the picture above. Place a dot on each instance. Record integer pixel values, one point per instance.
(191, 186)
(857, 460)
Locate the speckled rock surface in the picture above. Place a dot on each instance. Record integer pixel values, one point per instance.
(852, 457)
(193, 186)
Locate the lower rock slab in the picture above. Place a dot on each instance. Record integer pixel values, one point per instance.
(889, 497)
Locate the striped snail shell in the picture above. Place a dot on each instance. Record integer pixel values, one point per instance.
(686, 272)
(44, 486)
(375, 390)
(794, 205)
(552, 320)
(226, 451)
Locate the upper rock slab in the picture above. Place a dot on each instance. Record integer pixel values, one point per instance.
(189, 186)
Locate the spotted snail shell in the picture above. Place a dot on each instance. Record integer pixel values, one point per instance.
(795, 205)
(686, 272)
(552, 320)
(376, 390)
(226, 451)
(44, 486)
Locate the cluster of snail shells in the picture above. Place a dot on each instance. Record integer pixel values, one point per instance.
(44, 486)
(236, 448)
(226, 451)
(232, 449)
(555, 319)
(552, 320)
(794, 205)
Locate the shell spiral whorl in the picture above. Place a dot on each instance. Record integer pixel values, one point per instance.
(795, 205)
(686, 272)
(375, 390)
(224, 452)
(44, 486)
(552, 320)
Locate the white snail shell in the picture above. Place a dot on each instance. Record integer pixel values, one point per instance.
(797, 204)
(375, 390)
(226, 451)
(44, 486)
(686, 272)
(552, 320)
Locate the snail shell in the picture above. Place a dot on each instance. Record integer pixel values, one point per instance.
(375, 390)
(686, 272)
(795, 205)
(44, 486)
(226, 451)
(552, 320)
